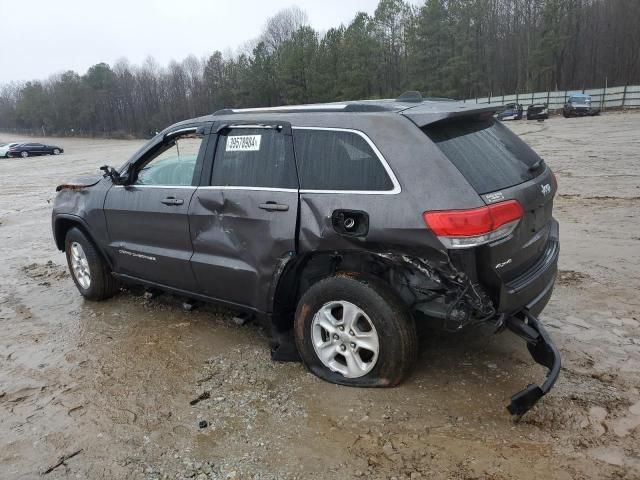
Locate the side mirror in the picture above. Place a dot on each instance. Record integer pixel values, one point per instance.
(113, 174)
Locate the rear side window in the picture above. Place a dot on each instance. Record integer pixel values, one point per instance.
(486, 152)
(338, 160)
(254, 157)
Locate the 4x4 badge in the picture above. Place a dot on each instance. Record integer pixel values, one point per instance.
(546, 189)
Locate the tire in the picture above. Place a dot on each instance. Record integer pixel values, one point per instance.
(379, 308)
(101, 284)
(56, 151)
(24, 154)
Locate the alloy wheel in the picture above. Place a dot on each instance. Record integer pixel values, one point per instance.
(345, 339)
(80, 265)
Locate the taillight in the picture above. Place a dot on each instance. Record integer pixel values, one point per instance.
(477, 226)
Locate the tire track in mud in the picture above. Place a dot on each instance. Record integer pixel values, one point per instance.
(542, 128)
(572, 196)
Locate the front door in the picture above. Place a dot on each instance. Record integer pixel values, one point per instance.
(243, 220)
(147, 219)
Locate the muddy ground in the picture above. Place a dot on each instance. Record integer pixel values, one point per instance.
(115, 381)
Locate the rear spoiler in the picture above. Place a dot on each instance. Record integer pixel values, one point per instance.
(430, 112)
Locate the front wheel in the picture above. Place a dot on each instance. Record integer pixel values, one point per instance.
(56, 151)
(353, 330)
(89, 271)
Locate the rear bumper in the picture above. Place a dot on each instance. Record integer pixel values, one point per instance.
(543, 351)
(532, 290)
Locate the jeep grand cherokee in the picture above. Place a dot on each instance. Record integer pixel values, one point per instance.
(339, 225)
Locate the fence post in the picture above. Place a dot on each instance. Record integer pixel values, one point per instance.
(624, 95)
(548, 98)
(604, 97)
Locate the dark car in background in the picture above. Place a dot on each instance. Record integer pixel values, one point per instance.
(512, 111)
(34, 149)
(339, 226)
(538, 111)
(579, 105)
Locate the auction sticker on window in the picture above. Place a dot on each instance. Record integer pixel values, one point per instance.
(243, 143)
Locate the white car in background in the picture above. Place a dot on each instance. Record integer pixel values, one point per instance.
(4, 148)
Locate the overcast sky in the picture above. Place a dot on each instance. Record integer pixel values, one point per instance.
(42, 37)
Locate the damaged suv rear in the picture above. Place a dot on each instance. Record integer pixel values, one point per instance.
(340, 226)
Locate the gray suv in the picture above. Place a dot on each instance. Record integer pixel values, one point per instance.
(340, 226)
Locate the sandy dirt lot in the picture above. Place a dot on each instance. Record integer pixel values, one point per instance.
(115, 381)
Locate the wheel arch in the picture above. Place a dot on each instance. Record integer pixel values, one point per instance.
(65, 222)
(303, 272)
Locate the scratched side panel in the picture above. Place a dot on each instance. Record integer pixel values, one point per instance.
(85, 203)
(393, 225)
(238, 246)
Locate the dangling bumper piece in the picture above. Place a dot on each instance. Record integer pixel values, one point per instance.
(543, 351)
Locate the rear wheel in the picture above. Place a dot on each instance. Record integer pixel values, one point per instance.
(89, 271)
(24, 154)
(353, 330)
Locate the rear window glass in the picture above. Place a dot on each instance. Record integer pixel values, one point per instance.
(486, 152)
(338, 160)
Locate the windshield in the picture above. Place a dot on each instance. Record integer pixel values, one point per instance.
(579, 99)
(487, 153)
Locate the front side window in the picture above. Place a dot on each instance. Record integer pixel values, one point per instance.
(254, 157)
(173, 165)
(338, 160)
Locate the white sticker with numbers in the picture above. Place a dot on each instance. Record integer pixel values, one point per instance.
(243, 143)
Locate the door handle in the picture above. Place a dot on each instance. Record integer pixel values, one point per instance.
(172, 201)
(274, 207)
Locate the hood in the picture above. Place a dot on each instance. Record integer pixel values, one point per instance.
(80, 183)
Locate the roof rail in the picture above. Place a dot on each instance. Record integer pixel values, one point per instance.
(319, 107)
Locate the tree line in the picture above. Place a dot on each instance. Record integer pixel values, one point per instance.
(443, 48)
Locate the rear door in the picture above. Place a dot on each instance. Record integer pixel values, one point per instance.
(243, 216)
(148, 221)
(40, 148)
(502, 167)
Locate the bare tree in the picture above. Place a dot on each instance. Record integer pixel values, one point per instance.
(454, 48)
(282, 26)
